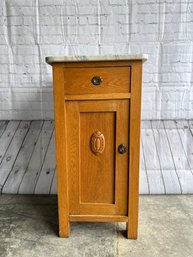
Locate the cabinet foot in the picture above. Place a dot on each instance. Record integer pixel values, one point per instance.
(131, 232)
(65, 231)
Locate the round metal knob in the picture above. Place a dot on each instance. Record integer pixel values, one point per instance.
(122, 149)
(96, 80)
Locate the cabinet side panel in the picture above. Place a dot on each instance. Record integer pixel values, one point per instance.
(135, 113)
(97, 151)
(62, 174)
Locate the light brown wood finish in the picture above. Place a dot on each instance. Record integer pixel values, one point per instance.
(62, 174)
(97, 184)
(98, 169)
(101, 187)
(114, 80)
(98, 218)
(134, 149)
(93, 97)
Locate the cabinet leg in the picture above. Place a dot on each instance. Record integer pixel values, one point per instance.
(64, 229)
(132, 231)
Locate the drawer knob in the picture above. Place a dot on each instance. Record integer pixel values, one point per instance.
(122, 149)
(96, 80)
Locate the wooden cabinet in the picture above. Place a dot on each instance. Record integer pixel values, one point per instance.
(97, 119)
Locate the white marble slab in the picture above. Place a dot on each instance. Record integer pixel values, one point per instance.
(80, 58)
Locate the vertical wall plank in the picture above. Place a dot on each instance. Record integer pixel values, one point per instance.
(187, 143)
(48, 169)
(31, 175)
(178, 153)
(143, 182)
(150, 151)
(53, 189)
(179, 156)
(12, 151)
(152, 163)
(186, 181)
(155, 179)
(3, 125)
(7, 137)
(177, 179)
(171, 180)
(19, 168)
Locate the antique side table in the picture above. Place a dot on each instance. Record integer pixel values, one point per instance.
(97, 105)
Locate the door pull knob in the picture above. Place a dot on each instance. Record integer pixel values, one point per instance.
(122, 149)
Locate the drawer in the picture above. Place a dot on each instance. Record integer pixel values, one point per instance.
(79, 81)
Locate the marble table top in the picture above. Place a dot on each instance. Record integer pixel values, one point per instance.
(80, 58)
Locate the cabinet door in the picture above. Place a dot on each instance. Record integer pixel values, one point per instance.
(97, 172)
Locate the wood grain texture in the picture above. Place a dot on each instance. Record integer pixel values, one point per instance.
(20, 165)
(97, 171)
(143, 180)
(7, 134)
(3, 126)
(156, 184)
(178, 153)
(187, 143)
(190, 123)
(114, 80)
(171, 182)
(53, 187)
(145, 124)
(150, 151)
(186, 181)
(34, 167)
(92, 178)
(134, 149)
(170, 177)
(182, 124)
(61, 160)
(98, 218)
(157, 124)
(109, 186)
(93, 97)
(48, 169)
(12, 151)
(122, 160)
(163, 149)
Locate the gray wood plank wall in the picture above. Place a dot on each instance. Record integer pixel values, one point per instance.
(28, 164)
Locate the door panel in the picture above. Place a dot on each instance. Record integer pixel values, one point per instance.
(97, 173)
(96, 167)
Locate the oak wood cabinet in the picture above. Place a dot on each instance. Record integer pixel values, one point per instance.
(97, 119)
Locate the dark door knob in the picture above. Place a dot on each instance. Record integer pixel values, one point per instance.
(122, 149)
(96, 80)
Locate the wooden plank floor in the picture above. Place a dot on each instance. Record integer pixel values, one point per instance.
(28, 164)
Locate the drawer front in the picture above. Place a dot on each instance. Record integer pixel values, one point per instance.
(98, 80)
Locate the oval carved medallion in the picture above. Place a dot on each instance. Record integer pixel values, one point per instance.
(97, 142)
